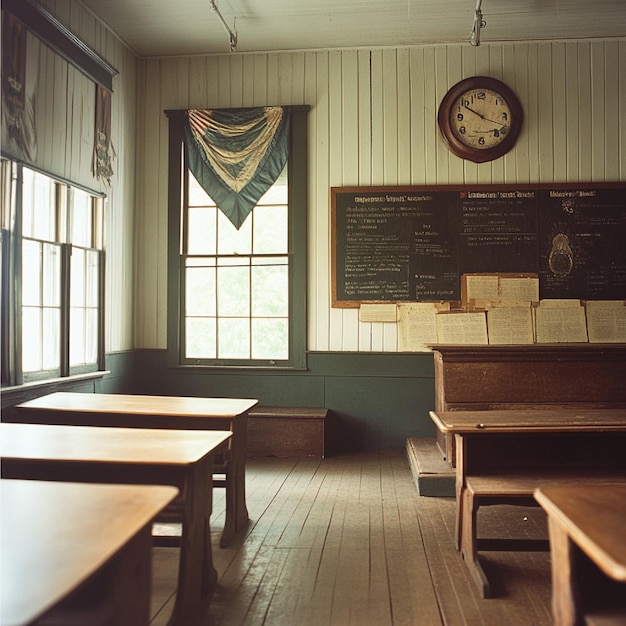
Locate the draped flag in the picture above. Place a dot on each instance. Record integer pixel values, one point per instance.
(18, 92)
(103, 151)
(236, 155)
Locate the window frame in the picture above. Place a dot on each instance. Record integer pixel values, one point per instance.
(297, 206)
(13, 374)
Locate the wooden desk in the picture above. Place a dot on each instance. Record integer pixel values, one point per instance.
(591, 521)
(503, 456)
(537, 376)
(47, 561)
(181, 458)
(138, 411)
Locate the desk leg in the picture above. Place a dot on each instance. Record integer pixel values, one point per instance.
(459, 484)
(565, 601)
(236, 518)
(469, 542)
(197, 576)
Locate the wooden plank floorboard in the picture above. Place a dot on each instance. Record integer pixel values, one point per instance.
(348, 541)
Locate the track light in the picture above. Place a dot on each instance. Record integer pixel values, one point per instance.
(232, 35)
(478, 24)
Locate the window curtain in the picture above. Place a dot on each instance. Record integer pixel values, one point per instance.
(236, 155)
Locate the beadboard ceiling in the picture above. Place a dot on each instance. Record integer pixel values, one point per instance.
(188, 27)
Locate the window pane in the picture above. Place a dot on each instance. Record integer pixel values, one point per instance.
(270, 289)
(270, 338)
(77, 280)
(197, 195)
(202, 229)
(200, 291)
(31, 273)
(82, 227)
(91, 278)
(51, 275)
(233, 291)
(234, 338)
(31, 339)
(52, 338)
(271, 234)
(200, 338)
(77, 336)
(278, 192)
(38, 206)
(91, 336)
(233, 241)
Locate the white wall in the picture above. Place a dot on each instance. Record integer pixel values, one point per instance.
(65, 115)
(373, 122)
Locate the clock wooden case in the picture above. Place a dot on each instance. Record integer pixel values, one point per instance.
(480, 119)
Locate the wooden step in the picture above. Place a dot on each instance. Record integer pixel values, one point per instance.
(433, 476)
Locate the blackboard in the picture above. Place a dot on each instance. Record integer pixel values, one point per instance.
(412, 244)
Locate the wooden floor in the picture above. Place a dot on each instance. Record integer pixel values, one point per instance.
(347, 540)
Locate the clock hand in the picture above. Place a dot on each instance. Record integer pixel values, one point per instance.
(482, 116)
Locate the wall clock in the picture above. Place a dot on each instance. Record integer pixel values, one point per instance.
(480, 119)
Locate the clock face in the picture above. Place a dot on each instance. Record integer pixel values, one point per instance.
(480, 119)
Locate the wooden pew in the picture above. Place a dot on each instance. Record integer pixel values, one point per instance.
(503, 456)
(587, 526)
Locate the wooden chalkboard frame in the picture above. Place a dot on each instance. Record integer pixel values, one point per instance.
(339, 195)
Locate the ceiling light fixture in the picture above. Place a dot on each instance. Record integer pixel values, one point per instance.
(232, 36)
(479, 23)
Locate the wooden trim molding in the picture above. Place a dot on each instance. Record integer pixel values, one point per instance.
(62, 40)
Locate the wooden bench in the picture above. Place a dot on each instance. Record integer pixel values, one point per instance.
(288, 431)
(587, 527)
(503, 456)
(517, 489)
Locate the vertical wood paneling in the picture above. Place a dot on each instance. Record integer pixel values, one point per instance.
(418, 116)
(571, 113)
(521, 87)
(621, 118)
(559, 111)
(611, 110)
(373, 122)
(598, 83)
(321, 183)
(335, 163)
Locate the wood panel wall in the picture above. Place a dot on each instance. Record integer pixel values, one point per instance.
(373, 122)
(65, 114)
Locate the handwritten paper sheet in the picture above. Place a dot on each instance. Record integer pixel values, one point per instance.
(416, 325)
(560, 321)
(526, 289)
(462, 328)
(510, 324)
(378, 313)
(482, 287)
(606, 321)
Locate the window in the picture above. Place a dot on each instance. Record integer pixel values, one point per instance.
(237, 297)
(52, 261)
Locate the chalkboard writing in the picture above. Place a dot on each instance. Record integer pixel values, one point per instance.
(394, 244)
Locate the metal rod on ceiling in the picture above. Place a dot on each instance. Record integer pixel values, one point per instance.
(478, 24)
(232, 36)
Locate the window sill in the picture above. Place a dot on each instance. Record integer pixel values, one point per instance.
(51, 384)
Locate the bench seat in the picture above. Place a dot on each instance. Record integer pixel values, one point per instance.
(512, 488)
(288, 431)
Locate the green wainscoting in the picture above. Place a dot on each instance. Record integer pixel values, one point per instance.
(378, 400)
